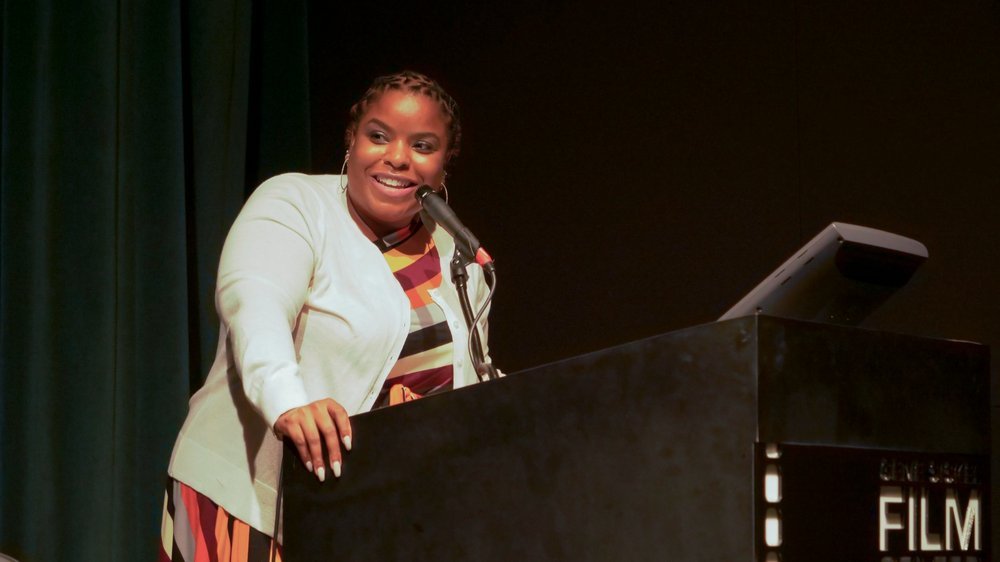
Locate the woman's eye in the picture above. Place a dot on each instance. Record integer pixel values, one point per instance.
(377, 137)
(423, 146)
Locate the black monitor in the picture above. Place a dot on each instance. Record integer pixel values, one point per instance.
(840, 276)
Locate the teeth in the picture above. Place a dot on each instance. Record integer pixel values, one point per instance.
(393, 182)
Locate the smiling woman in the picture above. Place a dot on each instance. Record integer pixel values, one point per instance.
(401, 135)
(398, 146)
(332, 302)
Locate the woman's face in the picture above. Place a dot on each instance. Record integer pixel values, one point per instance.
(400, 144)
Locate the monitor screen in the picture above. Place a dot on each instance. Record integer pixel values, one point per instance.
(840, 276)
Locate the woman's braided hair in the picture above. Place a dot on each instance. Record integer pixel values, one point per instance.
(409, 82)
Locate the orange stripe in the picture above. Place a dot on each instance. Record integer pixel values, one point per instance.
(222, 535)
(399, 260)
(241, 541)
(420, 295)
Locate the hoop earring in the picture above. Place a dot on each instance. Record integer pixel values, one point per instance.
(444, 187)
(343, 171)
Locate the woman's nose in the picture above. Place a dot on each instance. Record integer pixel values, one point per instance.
(397, 155)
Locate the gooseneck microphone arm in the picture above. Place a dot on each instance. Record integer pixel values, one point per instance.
(467, 250)
(460, 276)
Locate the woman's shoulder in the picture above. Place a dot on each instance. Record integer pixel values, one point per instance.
(298, 184)
(308, 194)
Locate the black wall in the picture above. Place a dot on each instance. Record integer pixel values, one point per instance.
(637, 169)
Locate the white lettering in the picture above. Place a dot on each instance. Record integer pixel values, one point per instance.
(968, 529)
(888, 521)
(928, 541)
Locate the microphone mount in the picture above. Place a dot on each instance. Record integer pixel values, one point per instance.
(467, 250)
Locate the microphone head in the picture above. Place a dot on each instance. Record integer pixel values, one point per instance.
(422, 192)
(435, 206)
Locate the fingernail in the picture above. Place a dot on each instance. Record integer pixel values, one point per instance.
(309, 466)
(347, 442)
(321, 474)
(336, 468)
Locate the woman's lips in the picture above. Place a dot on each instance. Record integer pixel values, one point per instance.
(395, 182)
(393, 185)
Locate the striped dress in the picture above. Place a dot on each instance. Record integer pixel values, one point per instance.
(195, 529)
(425, 362)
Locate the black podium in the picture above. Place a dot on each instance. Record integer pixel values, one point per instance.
(752, 439)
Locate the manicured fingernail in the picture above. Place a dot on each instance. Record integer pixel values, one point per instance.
(347, 442)
(336, 468)
(321, 474)
(309, 466)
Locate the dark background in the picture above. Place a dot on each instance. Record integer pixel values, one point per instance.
(638, 168)
(633, 167)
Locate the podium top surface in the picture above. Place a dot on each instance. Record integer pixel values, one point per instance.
(826, 384)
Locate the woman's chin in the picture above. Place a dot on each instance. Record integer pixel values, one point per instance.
(387, 219)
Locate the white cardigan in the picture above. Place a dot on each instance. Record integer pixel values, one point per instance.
(309, 310)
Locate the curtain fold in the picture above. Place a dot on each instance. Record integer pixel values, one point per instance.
(217, 73)
(150, 298)
(125, 131)
(58, 288)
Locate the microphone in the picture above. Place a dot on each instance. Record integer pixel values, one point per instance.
(448, 220)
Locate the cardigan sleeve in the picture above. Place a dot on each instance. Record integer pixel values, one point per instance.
(265, 271)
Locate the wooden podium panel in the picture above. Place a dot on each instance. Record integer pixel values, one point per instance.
(645, 451)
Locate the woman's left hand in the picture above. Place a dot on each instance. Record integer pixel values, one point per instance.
(309, 426)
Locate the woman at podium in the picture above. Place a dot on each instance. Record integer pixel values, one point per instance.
(333, 301)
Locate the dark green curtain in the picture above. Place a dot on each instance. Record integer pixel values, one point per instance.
(131, 133)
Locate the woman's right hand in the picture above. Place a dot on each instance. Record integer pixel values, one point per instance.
(310, 426)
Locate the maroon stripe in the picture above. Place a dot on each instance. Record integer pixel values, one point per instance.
(208, 512)
(420, 271)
